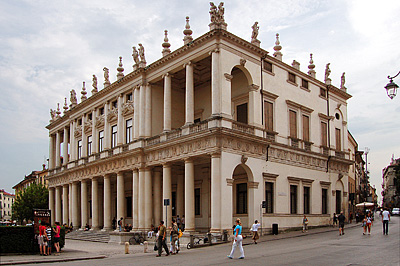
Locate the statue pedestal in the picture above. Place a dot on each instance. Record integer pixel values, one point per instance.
(256, 42)
(216, 25)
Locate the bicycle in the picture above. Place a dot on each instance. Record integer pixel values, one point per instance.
(136, 239)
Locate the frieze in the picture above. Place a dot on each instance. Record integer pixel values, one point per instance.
(100, 120)
(78, 131)
(127, 108)
(112, 114)
(88, 126)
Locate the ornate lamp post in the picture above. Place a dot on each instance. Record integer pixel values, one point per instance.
(391, 87)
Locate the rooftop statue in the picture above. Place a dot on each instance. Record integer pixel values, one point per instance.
(106, 75)
(217, 15)
(94, 84)
(73, 99)
(255, 28)
(141, 53)
(342, 81)
(52, 115)
(327, 72)
(135, 55)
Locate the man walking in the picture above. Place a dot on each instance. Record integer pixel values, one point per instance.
(385, 221)
(341, 220)
(162, 232)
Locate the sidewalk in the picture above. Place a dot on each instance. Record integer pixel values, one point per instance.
(76, 250)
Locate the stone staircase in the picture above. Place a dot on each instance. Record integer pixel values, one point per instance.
(92, 236)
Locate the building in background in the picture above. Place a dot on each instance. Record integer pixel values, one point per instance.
(391, 198)
(6, 202)
(38, 177)
(353, 174)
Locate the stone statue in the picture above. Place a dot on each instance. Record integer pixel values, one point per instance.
(213, 12)
(94, 84)
(141, 53)
(52, 114)
(106, 75)
(221, 12)
(73, 99)
(255, 28)
(342, 81)
(327, 72)
(135, 55)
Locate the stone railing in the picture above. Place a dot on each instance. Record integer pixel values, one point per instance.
(173, 134)
(203, 125)
(242, 127)
(153, 140)
(339, 154)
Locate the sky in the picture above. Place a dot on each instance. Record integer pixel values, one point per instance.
(48, 48)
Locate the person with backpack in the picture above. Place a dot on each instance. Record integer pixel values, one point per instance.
(120, 223)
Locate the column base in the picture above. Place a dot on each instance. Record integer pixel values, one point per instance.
(106, 229)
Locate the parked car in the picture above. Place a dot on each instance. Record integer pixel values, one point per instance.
(396, 211)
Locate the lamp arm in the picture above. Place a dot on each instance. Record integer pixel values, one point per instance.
(393, 76)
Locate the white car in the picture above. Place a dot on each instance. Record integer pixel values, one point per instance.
(396, 211)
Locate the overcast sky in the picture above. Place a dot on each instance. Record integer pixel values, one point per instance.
(48, 48)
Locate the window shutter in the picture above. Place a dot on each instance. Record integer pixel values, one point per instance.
(293, 124)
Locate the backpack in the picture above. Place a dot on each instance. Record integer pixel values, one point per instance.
(119, 222)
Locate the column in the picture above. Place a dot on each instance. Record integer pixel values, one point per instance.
(135, 199)
(141, 199)
(216, 193)
(180, 195)
(120, 195)
(189, 196)
(215, 88)
(51, 152)
(65, 146)
(136, 101)
(84, 140)
(142, 110)
(51, 204)
(95, 137)
(148, 111)
(107, 133)
(72, 140)
(58, 140)
(84, 204)
(167, 102)
(157, 200)
(58, 204)
(70, 203)
(148, 202)
(65, 205)
(95, 203)
(254, 106)
(189, 100)
(107, 203)
(75, 206)
(120, 122)
(167, 194)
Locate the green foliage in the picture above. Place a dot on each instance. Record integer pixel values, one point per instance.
(17, 239)
(36, 196)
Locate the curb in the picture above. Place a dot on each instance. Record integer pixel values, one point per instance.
(53, 260)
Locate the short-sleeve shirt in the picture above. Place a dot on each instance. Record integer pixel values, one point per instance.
(162, 230)
(341, 218)
(385, 215)
(58, 229)
(48, 232)
(255, 227)
(238, 229)
(42, 230)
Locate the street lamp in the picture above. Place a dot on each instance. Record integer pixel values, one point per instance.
(391, 87)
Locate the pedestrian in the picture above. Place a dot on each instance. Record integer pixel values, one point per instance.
(364, 225)
(49, 230)
(254, 230)
(334, 219)
(305, 223)
(183, 223)
(385, 221)
(341, 218)
(57, 231)
(120, 223)
(162, 230)
(114, 223)
(238, 240)
(178, 221)
(174, 236)
(41, 238)
(369, 223)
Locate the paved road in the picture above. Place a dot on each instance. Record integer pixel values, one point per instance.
(326, 248)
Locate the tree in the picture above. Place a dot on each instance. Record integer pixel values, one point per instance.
(36, 196)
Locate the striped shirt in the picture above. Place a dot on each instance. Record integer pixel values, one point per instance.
(48, 232)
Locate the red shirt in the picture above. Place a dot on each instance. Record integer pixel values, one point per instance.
(42, 230)
(58, 229)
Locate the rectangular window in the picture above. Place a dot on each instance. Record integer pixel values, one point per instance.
(293, 199)
(322, 92)
(292, 77)
(268, 66)
(197, 201)
(306, 128)
(113, 136)
(304, 83)
(101, 111)
(306, 200)
(241, 113)
(101, 141)
(89, 145)
(128, 206)
(129, 97)
(241, 198)
(79, 122)
(269, 197)
(324, 138)
(79, 149)
(338, 139)
(129, 131)
(324, 201)
(269, 116)
(114, 104)
(293, 124)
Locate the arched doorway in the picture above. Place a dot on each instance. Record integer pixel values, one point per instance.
(240, 83)
(243, 195)
(338, 193)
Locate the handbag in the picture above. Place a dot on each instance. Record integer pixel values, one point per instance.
(155, 247)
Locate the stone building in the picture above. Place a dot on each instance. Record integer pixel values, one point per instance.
(38, 177)
(6, 202)
(390, 197)
(217, 127)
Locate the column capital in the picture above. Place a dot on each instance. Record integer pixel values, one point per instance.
(190, 63)
(253, 87)
(216, 154)
(188, 160)
(216, 50)
(166, 165)
(167, 75)
(228, 77)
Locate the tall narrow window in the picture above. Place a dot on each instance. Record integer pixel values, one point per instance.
(129, 97)
(79, 149)
(197, 201)
(89, 145)
(241, 198)
(338, 139)
(293, 199)
(304, 83)
(292, 77)
(338, 201)
(306, 128)
(128, 130)
(306, 200)
(269, 197)
(269, 116)
(293, 123)
(324, 201)
(113, 136)
(324, 138)
(241, 113)
(101, 141)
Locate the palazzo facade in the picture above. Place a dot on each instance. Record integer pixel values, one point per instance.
(217, 127)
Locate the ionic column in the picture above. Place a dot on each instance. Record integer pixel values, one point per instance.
(95, 203)
(148, 202)
(167, 194)
(135, 199)
(189, 196)
(107, 203)
(72, 140)
(58, 204)
(215, 87)
(58, 142)
(51, 152)
(65, 146)
(167, 102)
(148, 111)
(120, 122)
(216, 193)
(84, 140)
(141, 199)
(65, 205)
(142, 114)
(75, 205)
(84, 204)
(120, 195)
(157, 200)
(180, 195)
(189, 100)
(70, 215)
(51, 204)
(136, 104)
(95, 137)
(107, 133)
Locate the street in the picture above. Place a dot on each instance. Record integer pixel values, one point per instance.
(327, 248)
